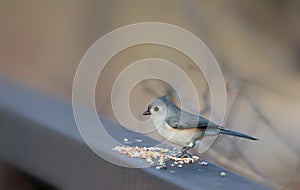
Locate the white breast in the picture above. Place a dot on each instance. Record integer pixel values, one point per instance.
(180, 137)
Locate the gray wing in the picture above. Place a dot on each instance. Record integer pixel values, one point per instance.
(181, 119)
(187, 121)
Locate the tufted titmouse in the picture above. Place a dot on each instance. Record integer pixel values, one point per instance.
(183, 128)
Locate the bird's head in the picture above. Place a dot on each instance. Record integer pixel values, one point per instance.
(157, 110)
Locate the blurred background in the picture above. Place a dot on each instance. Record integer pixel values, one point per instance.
(256, 43)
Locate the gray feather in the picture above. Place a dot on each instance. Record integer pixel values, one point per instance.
(237, 134)
(181, 119)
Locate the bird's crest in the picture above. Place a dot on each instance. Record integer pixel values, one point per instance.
(164, 97)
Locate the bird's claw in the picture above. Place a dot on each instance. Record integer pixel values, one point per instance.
(184, 154)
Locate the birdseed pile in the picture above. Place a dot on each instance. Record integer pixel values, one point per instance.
(155, 156)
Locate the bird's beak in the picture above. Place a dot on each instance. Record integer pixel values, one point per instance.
(147, 112)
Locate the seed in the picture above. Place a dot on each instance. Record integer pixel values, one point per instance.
(222, 174)
(203, 163)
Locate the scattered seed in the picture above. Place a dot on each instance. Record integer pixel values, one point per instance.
(125, 140)
(222, 174)
(155, 156)
(138, 140)
(203, 163)
(180, 166)
(173, 172)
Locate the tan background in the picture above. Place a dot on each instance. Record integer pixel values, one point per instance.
(257, 44)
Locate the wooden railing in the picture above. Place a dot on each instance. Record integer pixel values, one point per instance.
(38, 136)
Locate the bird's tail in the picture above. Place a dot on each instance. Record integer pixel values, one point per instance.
(237, 134)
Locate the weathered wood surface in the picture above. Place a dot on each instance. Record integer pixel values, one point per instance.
(38, 135)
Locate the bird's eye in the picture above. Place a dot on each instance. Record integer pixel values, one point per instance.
(156, 109)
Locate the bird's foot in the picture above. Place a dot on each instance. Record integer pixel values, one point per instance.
(184, 154)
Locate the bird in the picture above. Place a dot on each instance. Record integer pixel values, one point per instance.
(183, 128)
